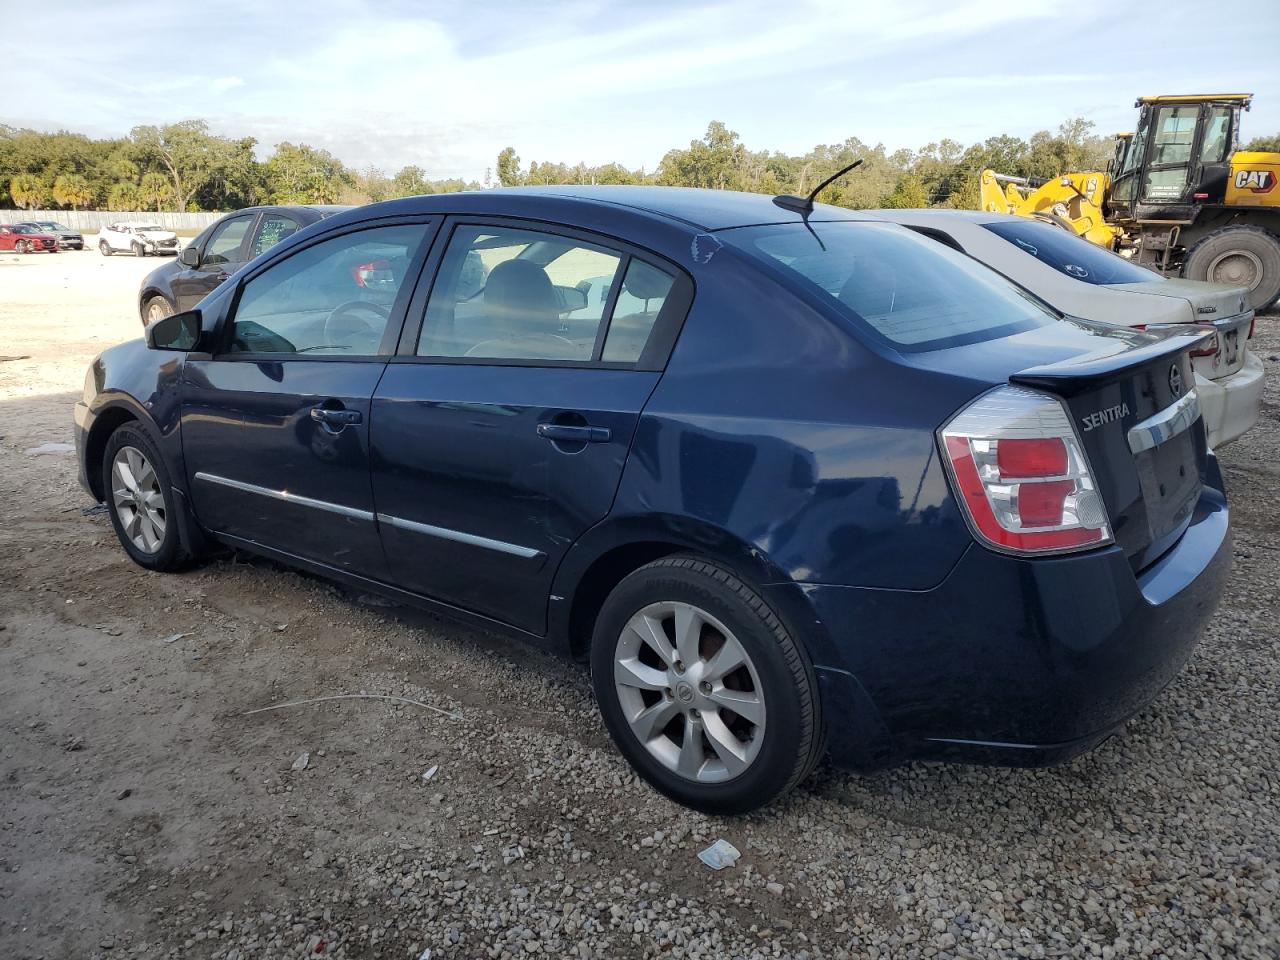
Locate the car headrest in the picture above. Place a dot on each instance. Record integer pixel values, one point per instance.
(645, 283)
(520, 291)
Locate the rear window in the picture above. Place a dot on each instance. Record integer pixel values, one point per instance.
(907, 290)
(1069, 254)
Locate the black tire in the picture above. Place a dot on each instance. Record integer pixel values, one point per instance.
(169, 554)
(139, 250)
(22, 247)
(1251, 241)
(793, 739)
(156, 308)
(104, 248)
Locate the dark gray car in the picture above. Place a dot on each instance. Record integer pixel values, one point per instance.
(218, 252)
(68, 239)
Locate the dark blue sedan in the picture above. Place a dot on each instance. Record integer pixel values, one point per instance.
(793, 482)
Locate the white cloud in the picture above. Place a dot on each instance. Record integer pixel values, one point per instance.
(226, 83)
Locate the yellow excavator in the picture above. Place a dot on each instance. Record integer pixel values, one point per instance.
(1177, 195)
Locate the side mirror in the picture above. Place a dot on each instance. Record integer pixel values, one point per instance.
(190, 256)
(178, 332)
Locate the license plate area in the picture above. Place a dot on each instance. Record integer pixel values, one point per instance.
(1170, 481)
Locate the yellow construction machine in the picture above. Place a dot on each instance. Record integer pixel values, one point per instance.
(1178, 196)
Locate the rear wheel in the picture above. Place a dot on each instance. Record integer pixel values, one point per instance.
(157, 308)
(140, 500)
(702, 687)
(1243, 256)
(104, 248)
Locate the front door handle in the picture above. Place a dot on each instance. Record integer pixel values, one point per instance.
(335, 418)
(574, 434)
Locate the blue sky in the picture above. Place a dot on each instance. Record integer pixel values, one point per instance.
(446, 86)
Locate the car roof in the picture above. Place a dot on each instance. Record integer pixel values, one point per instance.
(138, 223)
(691, 206)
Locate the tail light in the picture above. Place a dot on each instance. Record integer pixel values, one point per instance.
(373, 273)
(1209, 348)
(1022, 476)
(1253, 321)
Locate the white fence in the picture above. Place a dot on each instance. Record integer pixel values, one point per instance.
(91, 221)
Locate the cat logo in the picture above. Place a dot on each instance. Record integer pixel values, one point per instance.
(1258, 181)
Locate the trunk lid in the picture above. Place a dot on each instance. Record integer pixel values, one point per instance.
(1224, 307)
(1131, 397)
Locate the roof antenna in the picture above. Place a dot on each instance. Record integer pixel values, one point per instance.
(804, 205)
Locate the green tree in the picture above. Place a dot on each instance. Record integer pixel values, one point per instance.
(72, 190)
(1269, 144)
(410, 182)
(124, 196)
(298, 173)
(155, 191)
(192, 158)
(908, 194)
(29, 192)
(509, 173)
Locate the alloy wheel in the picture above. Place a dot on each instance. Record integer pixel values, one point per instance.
(689, 692)
(157, 309)
(138, 500)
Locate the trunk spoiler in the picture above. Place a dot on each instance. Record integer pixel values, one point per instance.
(1069, 377)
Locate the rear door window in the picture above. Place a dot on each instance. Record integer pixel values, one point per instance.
(273, 228)
(1069, 254)
(905, 289)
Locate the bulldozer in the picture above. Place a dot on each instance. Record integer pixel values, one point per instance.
(1178, 196)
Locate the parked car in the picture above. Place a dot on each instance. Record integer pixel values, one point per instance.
(1084, 280)
(138, 237)
(796, 484)
(68, 239)
(22, 238)
(218, 251)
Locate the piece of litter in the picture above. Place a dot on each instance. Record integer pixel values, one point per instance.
(281, 627)
(426, 954)
(430, 773)
(720, 854)
(175, 637)
(302, 761)
(96, 509)
(125, 794)
(46, 449)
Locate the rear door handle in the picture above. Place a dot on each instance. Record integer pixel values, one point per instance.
(564, 431)
(335, 418)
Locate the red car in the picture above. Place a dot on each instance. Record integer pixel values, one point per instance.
(23, 239)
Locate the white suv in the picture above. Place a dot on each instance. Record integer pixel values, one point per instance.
(138, 237)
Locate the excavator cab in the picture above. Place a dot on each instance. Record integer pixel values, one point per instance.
(1178, 158)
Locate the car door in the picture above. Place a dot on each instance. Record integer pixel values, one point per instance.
(275, 422)
(502, 425)
(220, 256)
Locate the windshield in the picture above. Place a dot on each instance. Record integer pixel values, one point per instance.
(905, 289)
(51, 225)
(1070, 254)
(147, 227)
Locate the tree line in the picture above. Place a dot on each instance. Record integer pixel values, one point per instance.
(182, 166)
(944, 173)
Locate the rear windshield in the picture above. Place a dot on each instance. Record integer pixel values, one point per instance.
(1070, 254)
(907, 290)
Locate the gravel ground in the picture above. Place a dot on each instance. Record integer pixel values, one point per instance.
(143, 814)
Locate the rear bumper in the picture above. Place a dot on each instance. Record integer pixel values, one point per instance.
(1012, 661)
(84, 418)
(1230, 406)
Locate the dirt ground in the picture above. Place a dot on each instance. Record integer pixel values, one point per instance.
(144, 814)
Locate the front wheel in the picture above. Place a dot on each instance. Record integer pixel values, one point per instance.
(140, 500)
(703, 689)
(22, 247)
(1243, 256)
(139, 250)
(104, 248)
(157, 308)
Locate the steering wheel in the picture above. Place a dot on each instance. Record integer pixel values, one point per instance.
(482, 348)
(345, 322)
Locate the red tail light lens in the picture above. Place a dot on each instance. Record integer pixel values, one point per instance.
(373, 273)
(1210, 348)
(1022, 476)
